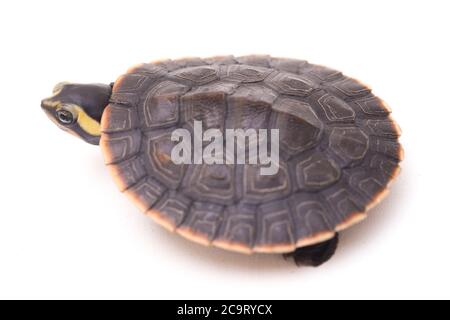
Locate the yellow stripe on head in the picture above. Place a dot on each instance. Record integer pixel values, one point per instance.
(88, 124)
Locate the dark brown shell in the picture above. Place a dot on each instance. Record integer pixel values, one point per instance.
(339, 149)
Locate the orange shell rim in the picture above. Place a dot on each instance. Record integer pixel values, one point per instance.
(193, 236)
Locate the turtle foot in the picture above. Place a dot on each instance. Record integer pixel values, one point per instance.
(315, 255)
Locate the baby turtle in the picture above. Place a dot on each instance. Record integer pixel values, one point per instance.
(338, 149)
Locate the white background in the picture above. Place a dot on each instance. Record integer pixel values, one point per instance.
(65, 230)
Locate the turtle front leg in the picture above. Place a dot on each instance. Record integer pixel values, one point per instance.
(315, 255)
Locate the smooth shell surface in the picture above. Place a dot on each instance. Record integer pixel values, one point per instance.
(339, 149)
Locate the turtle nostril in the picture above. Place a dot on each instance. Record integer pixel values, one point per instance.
(44, 104)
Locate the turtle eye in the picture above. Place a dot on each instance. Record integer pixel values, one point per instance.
(65, 117)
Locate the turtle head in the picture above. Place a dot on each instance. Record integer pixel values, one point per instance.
(78, 108)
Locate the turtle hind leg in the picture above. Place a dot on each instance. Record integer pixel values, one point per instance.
(315, 255)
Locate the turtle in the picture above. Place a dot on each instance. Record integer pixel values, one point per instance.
(338, 148)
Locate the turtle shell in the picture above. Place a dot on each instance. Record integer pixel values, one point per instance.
(339, 150)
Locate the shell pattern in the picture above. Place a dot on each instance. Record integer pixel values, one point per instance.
(339, 149)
